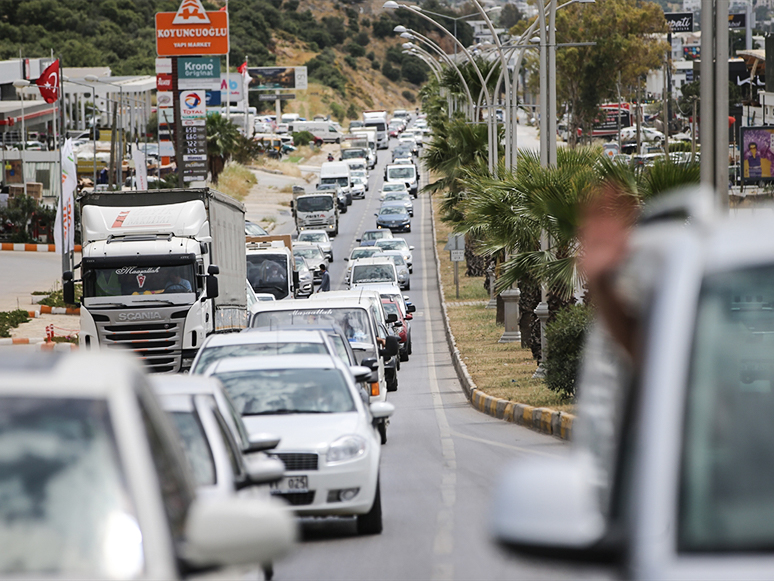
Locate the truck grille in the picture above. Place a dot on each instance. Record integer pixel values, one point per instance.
(159, 345)
(296, 461)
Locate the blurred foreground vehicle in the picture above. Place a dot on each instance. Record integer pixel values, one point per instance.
(94, 482)
(670, 471)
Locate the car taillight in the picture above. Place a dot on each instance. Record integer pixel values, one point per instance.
(375, 389)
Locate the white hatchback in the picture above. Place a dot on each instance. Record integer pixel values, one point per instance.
(330, 446)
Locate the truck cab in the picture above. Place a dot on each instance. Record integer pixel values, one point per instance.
(317, 211)
(271, 266)
(160, 272)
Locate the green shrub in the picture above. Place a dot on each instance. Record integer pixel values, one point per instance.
(351, 61)
(371, 56)
(375, 65)
(352, 112)
(338, 112)
(363, 39)
(354, 49)
(565, 335)
(10, 320)
(409, 96)
(679, 146)
(302, 138)
(391, 73)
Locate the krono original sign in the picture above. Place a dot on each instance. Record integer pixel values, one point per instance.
(191, 31)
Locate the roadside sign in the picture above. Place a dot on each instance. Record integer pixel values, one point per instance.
(192, 31)
(456, 242)
(270, 97)
(271, 78)
(198, 73)
(193, 105)
(458, 256)
(679, 21)
(163, 65)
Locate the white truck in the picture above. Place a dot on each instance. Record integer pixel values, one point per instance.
(161, 270)
(324, 131)
(316, 211)
(377, 120)
(270, 266)
(336, 172)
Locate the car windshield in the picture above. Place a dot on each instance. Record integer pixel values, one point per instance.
(397, 259)
(312, 237)
(339, 181)
(310, 252)
(397, 196)
(268, 273)
(253, 229)
(354, 321)
(299, 262)
(316, 203)
(392, 244)
(65, 510)
(196, 447)
(353, 153)
(392, 210)
(210, 355)
(363, 253)
(366, 273)
(288, 391)
(726, 497)
(394, 188)
(376, 235)
(391, 309)
(400, 172)
(138, 280)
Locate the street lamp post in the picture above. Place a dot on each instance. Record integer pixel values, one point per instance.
(457, 18)
(93, 122)
(119, 168)
(20, 85)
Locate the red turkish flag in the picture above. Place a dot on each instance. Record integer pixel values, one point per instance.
(242, 68)
(48, 82)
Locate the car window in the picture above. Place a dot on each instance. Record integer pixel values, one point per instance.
(210, 355)
(353, 321)
(372, 273)
(726, 496)
(196, 447)
(341, 349)
(288, 391)
(65, 501)
(230, 445)
(389, 210)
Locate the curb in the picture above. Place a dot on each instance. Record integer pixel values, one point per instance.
(45, 309)
(14, 247)
(39, 344)
(544, 420)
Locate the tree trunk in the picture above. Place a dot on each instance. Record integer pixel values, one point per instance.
(530, 297)
(475, 264)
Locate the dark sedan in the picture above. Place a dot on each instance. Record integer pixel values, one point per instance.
(395, 217)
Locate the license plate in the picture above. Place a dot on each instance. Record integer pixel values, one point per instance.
(291, 484)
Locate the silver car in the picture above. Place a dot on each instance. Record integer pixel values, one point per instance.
(305, 285)
(313, 256)
(403, 197)
(404, 276)
(319, 237)
(398, 244)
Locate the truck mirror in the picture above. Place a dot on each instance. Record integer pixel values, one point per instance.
(212, 286)
(411, 309)
(213, 269)
(295, 279)
(392, 318)
(68, 288)
(392, 348)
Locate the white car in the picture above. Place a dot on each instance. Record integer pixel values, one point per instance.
(404, 276)
(392, 187)
(329, 444)
(398, 244)
(359, 187)
(368, 271)
(319, 237)
(357, 253)
(95, 484)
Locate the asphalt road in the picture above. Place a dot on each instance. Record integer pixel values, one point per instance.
(24, 272)
(441, 461)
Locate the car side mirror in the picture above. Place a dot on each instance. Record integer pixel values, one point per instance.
(361, 373)
(375, 214)
(409, 317)
(229, 531)
(411, 309)
(397, 324)
(263, 470)
(392, 317)
(346, 260)
(549, 507)
(356, 240)
(411, 248)
(261, 442)
(213, 269)
(371, 362)
(392, 348)
(381, 410)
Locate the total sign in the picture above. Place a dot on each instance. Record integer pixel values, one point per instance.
(193, 105)
(191, 31)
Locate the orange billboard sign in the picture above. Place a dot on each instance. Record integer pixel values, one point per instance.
(191, 31)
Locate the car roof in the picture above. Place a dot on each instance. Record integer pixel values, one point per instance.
(257, 336)
(295, 361)
(171, 384)
(335, 297)
(371, 260)
(401, 239)
(387, 232)
(43, 374)
(312, 232)
(302, 245)
(371, 248)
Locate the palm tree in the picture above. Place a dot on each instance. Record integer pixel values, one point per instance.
(222, 141)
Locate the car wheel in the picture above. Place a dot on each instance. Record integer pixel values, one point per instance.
(268, 572)
(408, 285)
(410, 349)
(371, 522)
(393, 385)
(331, 257)
(382, 429)
(404, 355)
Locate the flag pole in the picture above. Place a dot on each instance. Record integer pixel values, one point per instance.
(57, 114)
(228, 78)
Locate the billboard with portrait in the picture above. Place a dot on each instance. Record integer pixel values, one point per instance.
(272, 78)
(757, 154)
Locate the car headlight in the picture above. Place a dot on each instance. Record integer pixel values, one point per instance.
(346, 448)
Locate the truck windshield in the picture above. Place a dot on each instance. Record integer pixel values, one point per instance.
(339, 181)
(354, 321)
(378, 125)
(316, 203)
(268, 273)
(138, 280)
(353, 153)
(400, 173)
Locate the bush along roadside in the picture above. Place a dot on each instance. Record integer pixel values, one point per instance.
(565, 336)
(10, 320)
(55, 298)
